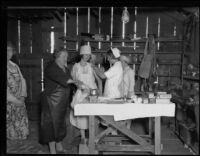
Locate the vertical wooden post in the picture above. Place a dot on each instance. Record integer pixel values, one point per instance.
(52, 37)
(77, 28)
(147, 27)
(123, 31)
(31, 87)
(31, 42)
(65, 28)
(91, 134)
(42, 74)
(157, 136)
(19, 35)
(111, 27)
(30, 70)
(158, 44)
(135, 28)
(99, 43)
(150, 126)
(88, 23)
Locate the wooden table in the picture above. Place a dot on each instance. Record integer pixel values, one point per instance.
(111, 113)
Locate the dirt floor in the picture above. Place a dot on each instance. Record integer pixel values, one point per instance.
(170, 142)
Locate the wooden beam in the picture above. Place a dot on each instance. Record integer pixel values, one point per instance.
(157, 136)
(91, 135)
(118, 138)
(127, 148)
(102, 134)
(124, 130)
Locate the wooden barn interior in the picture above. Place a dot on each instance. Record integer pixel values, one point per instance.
(37, 32)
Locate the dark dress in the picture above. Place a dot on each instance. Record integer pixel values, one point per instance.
(54, 102)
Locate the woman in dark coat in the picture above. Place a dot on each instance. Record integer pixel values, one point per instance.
(55, 101)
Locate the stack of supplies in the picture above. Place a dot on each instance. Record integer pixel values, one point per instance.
(163, 97)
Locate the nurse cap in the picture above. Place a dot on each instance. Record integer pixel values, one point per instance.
(116, 52)
(85, 49)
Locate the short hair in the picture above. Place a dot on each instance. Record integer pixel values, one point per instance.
(57, 53)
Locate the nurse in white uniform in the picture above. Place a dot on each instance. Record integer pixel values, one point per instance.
(113, 76)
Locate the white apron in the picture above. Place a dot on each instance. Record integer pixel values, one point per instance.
(113, 82)
(84, 74)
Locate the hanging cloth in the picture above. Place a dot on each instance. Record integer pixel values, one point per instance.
(145, 69)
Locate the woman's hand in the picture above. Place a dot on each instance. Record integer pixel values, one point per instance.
(70, 81)
(79, 83)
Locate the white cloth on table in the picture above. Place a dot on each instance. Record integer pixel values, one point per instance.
(126, 111)
(84, 74)
(114, 78)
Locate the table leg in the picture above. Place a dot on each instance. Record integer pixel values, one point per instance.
(91, 135)
(157, 136)
(150, 127)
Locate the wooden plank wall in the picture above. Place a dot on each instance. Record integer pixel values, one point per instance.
(35, 39)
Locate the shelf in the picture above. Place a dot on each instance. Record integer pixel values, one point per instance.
(169, 75)
(127, 51)
(143, 40)
(161, 64)
(170, 64)
(190, 78)
(165, 75)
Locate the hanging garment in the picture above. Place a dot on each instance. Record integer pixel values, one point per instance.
(114, 78)
(86, 75)
(145, 69)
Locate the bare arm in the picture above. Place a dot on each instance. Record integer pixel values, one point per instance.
(100, 73)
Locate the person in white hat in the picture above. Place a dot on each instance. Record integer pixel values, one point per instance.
(82, 71)
(128, 83)
(113, 75)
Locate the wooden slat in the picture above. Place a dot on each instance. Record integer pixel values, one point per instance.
(157, 136)
(91, 135)
(104, 147)
(102, 134)
(122, 138)
(124, 130)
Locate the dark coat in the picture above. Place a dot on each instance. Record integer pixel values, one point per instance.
(55, 102)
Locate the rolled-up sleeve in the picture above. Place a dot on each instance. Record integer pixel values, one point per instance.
(111, 72)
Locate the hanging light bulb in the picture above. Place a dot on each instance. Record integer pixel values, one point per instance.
(125, 15)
